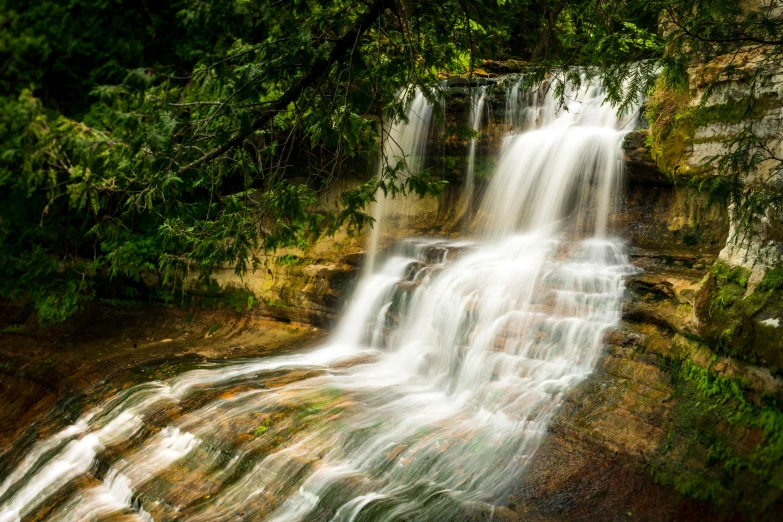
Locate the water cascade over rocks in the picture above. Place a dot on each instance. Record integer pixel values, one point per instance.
(432, 394)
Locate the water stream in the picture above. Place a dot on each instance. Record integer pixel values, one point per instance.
(404, 147)
(429, 399)
(478, 100)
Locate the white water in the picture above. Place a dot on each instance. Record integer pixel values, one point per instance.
(403, 141)
(522, 105)
(432, 395)
(478, 99)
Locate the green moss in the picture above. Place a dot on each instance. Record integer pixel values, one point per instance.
(731, 315)
(673, 123)
(711, 139)
(214, 328)
(211, 296)
(672, 127)
(725, 297)
(737, 111)
(288, 260)
(14, 328)
(773, 280)
(754, 303)
(707, 455)
(127, 304)
(263, 428)
(276, 304)
(237, 299)
(725, 274)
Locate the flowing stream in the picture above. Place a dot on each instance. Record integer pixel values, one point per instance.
(429, 399)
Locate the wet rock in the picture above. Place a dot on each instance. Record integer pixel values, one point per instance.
(641, 169)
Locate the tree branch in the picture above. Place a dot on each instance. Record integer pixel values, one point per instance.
(742, 38)
(316, 71)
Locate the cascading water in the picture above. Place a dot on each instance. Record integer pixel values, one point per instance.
(521, 117)
(477, 102)
(512, 103)
(404, 141)
(572, 163)
(432, 395)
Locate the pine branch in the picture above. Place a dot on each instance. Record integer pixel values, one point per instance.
(316, 71)
(742, 38)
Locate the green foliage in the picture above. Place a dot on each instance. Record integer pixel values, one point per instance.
(214, 328)
(725, 274)
(237, 299)
(142, 144)
(773, 280)
(288, 260)
(14, 328)
(108, 112)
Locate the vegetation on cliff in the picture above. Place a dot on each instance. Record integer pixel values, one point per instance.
(724, 441)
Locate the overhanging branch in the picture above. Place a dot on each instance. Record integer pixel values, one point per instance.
(316, 71)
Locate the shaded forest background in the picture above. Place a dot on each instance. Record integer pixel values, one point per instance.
(162, 138)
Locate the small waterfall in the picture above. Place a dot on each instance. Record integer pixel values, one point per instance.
(478, 98)
(512, 116)
(430, 398)
(522, 105)
(404, 141)
(572, 161)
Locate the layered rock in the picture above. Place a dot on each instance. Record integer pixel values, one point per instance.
(732, 96)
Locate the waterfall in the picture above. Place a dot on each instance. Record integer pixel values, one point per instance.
(567, 166)
(476, 116)
(403, 141)
(431, 396)
(512, 103)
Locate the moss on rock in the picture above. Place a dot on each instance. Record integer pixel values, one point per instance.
(740, 321)
(723, 441)
(672, 127)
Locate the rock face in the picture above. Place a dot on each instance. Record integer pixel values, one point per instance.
(310, 285)
(751, 98)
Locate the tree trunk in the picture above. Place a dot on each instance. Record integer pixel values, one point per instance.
(547, 31)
